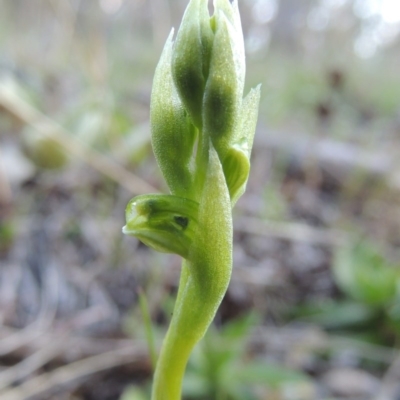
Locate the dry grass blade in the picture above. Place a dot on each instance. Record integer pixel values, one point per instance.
(21, 338)
(296, 232)
(30, 364)
(69, 374)
(46, 126)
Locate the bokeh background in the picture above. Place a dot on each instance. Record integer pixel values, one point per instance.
(313, 309)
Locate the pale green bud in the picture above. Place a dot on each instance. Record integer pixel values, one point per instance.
(208, 66)
(173, 135)
(165, 223)
(224, 89)
(191, 57)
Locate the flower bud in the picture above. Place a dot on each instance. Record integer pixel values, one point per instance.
(173, 135)
(165, 223)
(224, 88)
(208, 66)
(223, 93)
(191, 57)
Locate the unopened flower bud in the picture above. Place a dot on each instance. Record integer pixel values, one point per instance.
(191, 57)
(173, 134)
(224, 88)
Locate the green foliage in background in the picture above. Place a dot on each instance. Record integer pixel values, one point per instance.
(220, 367)
(365, 274)
(370, 283)
(6, 235)
(134, 393)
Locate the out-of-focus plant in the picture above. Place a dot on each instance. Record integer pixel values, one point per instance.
(6, 235)
(134, 393)
(370, 283)
(364, 273)
(202, 135)
(221, 367)
(43, 151)
(366, 276)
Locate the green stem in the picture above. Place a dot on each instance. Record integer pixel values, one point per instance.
(193, 313)
(175, 352)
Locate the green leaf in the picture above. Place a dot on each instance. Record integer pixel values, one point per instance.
(133, 393)
(239, 328)
(195, 385)
(363, 273)
(271, 375)
(338, 315)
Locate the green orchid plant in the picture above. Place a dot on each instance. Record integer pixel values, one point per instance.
(202, 135)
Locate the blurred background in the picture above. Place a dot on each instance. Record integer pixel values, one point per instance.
(313, 309)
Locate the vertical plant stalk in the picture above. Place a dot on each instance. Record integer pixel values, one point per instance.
(202, 134)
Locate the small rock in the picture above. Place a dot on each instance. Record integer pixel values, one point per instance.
(17, 169)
